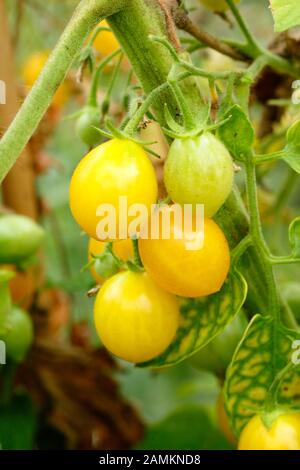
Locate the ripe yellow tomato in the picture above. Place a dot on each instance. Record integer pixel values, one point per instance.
(187, 272)
(31, 71)
(117, 168)
(123, 249)
(216, 5)
(135, 319)
(223, 421)
(105, 42)
(284, 434)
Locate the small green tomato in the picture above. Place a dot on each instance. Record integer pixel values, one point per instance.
(199, 170)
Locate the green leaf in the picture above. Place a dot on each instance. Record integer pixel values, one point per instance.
(237, 134)
(286, 14)
(18, 422)
(263, 352)
(294, 237)
(189, 428)
(292, 148)
(292, 159)
(202, 320)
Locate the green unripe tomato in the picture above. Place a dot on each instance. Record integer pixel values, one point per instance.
(85, 126)
(20, 237)
(106, 265)
(199, 170)
(216, 5)
(19, 335)
(216, 356)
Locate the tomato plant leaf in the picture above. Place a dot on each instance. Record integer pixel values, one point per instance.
(202, 320)
(263, 352)
(293, 134)
(292, 159)
(286, 14)
(294, 237)
(237, 133)
(292, 148)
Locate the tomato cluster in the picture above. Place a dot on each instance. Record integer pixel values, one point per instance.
(137, 309)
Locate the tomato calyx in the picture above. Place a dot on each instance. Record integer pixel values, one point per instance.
(115, 133)
(269, 417)
(107, 264)
(176, 131)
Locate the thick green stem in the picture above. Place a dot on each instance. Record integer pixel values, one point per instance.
(134, 27)
(258, 238)
(86, 16)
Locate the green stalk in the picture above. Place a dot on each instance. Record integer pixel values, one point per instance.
(92, 99)
(86, 16)
(258, 238)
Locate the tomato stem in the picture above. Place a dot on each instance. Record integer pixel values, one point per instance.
(258, 237)
(136, 253)
(92, 99)
(255, 47)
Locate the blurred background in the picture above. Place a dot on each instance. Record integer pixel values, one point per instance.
(69, 393)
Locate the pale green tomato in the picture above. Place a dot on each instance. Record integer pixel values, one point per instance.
(199, 170)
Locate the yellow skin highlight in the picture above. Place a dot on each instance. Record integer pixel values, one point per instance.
(123, 249)
(284, 434)
(31, 71)
(135, 319)
(183, 272)
(216, 5)
(111, 170)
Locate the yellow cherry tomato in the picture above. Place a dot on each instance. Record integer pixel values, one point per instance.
(113, 170)
(135, 319)
(31, 71)
(223, 421)
(184, 271)
(123, 249)
(284, 434)
(216, 5)
(105, 42)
